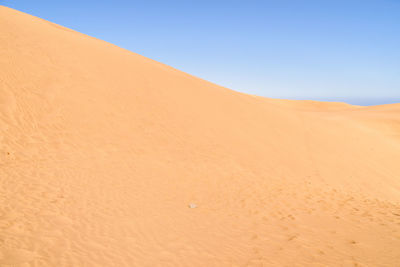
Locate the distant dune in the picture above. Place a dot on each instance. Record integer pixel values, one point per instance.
(108, 158)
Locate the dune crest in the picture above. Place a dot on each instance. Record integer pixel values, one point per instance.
(112, 159)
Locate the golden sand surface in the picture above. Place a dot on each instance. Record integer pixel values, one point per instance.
(108, 158)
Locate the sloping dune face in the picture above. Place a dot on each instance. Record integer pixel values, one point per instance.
(108, 158)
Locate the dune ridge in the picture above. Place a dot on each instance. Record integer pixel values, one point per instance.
(104, 151)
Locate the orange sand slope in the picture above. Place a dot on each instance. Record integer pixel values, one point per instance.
(102, 152)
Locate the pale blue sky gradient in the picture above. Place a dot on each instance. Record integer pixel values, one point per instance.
(299, 49)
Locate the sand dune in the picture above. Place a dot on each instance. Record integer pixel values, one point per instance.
(102, 151)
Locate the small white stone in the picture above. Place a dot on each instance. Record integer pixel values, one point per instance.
(192, 205)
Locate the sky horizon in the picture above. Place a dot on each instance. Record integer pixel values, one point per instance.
(345, 51)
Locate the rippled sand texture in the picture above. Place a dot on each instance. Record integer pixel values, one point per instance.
(108, 158)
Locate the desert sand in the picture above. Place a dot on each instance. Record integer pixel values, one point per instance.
(108, 158)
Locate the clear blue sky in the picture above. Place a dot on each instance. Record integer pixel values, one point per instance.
(302, 49)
